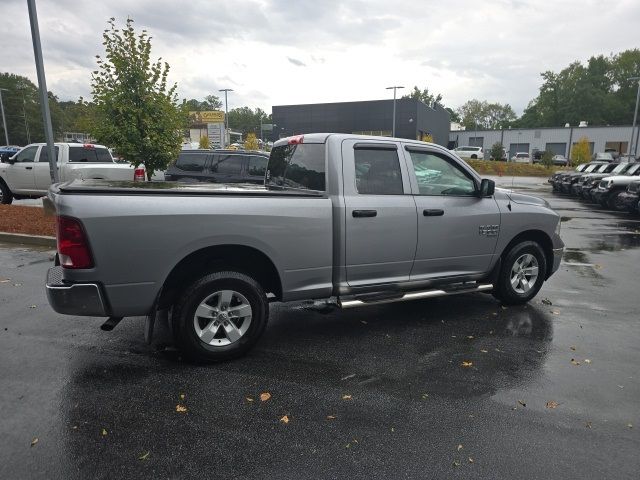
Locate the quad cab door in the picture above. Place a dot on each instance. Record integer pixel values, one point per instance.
(42, 174)
(20, 174)
(380, 214)
(457, 230)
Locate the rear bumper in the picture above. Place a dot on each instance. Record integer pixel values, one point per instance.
(84, 299)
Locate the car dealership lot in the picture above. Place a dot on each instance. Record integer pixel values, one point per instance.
(449, 387)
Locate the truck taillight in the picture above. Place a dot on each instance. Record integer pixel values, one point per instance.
(73, 247)
(138, 175)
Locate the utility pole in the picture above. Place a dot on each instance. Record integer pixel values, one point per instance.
(42, 84)
(4, 120)
(635, 116)
(393, 129)
(24, 117)
(226, 114)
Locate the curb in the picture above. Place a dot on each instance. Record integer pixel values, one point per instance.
(23, 239)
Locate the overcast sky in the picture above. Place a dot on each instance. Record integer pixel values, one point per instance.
(276, 52)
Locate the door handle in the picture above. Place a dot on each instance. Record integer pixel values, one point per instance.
(432, 212)
(364, 213)
(28, 168)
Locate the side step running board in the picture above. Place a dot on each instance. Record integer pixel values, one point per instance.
(413, 296)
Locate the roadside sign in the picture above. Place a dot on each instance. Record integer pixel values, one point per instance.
(214, 116)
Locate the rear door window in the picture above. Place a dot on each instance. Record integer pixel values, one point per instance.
(90, 154)
(44, 154)
(300, 166)
(191, 162)
(257, 166)
(378, 172)
(228, 164)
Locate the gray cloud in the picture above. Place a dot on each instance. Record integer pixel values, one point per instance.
(296, 62)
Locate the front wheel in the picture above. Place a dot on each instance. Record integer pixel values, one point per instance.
(220, 316)
(6, 197)
(522, 274)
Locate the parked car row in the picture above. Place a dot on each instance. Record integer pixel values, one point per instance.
(613, 185)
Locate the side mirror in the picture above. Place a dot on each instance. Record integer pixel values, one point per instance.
(487, 188)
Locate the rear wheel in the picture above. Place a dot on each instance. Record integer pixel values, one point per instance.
(522, 273)
(6, 197)
(220, 316)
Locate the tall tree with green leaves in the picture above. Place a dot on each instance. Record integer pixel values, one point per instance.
(424, 96)
(484, 115)
(137, 111)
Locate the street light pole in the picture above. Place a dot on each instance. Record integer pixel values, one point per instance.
(42, 84)
(635, 116)
(4, 120)
(226, 114)
(393, 129)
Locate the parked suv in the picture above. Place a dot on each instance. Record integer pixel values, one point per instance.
(218, 166)
(629, 199)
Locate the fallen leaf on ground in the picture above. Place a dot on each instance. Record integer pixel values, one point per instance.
(574, 362)
(460, 447)
(249, 399)
(425, 395)
(182, 396)
(522, 403)
(469, 337)
(364, 322)
(456, 463)
(331, 417)
(6, 280)
(597, 267)
(104, 432)
(466, 364)
(348, 377)
(484, 351)
(588, 425)
(586, 360)
(346, 397)
(555, 312)
(546, 301)
(144, 456)
(181, 408)
(32, 306)
(552, 404)
(285, 419)
(572, 348)
(628, 425)
(34, 441)
(264, 396)
(471, 460)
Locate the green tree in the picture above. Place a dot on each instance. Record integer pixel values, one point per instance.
(424, 96)
(581, 153)
(210, 102)
(22, 111)
(496, 152)
(204, 143)
(137, 112)
(247, 120)
(547, 159)
(485, 115)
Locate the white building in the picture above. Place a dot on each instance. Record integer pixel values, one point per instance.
(555, 140)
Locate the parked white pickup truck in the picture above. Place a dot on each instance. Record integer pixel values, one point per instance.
(26, 174)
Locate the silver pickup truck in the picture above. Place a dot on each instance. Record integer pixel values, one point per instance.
(353, 219)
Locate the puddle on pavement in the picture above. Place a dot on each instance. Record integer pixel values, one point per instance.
(575, 255)
(565, 219)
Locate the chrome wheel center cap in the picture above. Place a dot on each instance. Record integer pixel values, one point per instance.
(223, 316)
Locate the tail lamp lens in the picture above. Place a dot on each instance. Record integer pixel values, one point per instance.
(73, 247)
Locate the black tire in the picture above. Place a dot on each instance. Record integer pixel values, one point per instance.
(504, 290)
(474, 156)
(6, 197)
(184, 310)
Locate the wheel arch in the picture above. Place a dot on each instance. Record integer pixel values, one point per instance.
(241, 258)
(538, 236)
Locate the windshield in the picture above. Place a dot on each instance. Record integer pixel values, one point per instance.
(591, 168)
(620, 168)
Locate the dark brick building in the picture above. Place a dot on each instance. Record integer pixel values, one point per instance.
(414, 119)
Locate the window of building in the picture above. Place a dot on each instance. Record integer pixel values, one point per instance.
(378, 172)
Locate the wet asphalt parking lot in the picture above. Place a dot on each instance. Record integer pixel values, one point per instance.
(550, 390)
